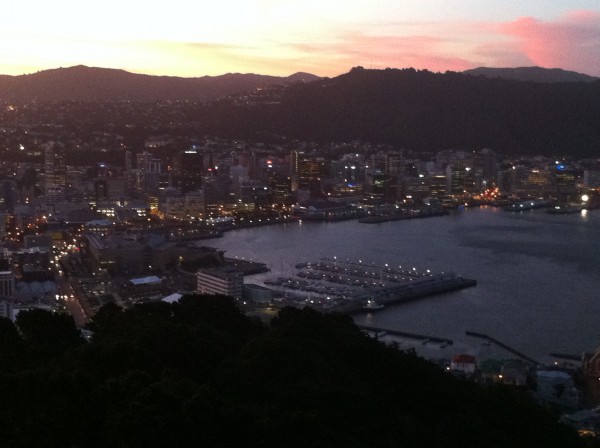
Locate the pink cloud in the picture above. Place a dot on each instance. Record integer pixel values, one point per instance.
(572, 42)
(502, 54)
(351, 49)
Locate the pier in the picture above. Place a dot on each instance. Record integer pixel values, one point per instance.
(347, 287)
(385, 217)
(526, 205)
(404, 334)
(567, 356)
(502, 345)
(403, 294)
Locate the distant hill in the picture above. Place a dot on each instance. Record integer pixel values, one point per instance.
(83, 83)
(426, 111)
(534, 74)
(413, 109)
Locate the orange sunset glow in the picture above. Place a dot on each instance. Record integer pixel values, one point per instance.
(185, 38)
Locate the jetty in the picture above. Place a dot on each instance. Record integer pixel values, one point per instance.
(526, 205)
(567, 356)
(405, 334)
(348, 287)
(502, 345)
(385, 217)
(407, 293)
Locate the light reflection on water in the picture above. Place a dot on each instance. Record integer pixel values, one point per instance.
(538, 274)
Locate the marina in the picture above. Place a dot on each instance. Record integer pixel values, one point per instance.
(529, 268)
(349, 287)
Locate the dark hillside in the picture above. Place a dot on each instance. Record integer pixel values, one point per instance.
(199, 373)
(534, 74)
(421, 110)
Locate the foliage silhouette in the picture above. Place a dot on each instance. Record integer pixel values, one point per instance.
(199, 372)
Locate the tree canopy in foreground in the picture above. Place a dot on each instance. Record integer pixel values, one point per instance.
(200, 373)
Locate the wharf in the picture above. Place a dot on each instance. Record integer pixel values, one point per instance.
(405, 334)
(526, 205)
(246, 267)
(407, 293)
(502, 345)
(567, 356)
(347, 287)
(376, 219)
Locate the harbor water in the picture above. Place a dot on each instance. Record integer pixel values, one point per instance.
(538, 275)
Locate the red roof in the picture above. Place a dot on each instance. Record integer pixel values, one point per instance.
(463, 359)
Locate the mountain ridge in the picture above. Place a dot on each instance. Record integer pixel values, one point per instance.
(426, 111)
(531, 74)
(83, 83)
(414, 109)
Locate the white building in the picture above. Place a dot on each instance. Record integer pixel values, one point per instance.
(227, 282)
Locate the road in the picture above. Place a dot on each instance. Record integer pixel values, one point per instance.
(72, 303)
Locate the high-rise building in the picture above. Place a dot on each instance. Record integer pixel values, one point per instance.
(149, 169)
(395, 164)
(55, 174)
(460, 178)
(55, 166)
(487, 162)
(437, 185)
(188, 168)
(307, 171)
(565, 181)
(8, 195)
(379, 186)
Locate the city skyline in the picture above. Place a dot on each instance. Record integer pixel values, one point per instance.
(279, 38)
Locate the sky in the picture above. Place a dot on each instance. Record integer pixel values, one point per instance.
(193, 38)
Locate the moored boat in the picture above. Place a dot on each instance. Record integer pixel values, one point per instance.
(373, 305)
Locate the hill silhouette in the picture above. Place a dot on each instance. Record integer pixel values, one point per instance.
(425, 111)
(533, 74)
(407, 108)
(81, 83)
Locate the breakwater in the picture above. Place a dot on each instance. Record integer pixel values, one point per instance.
(502, 345)
(404, 334)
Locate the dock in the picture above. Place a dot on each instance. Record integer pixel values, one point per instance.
(347, 287)
(385, 217)
(502, 345)
(405, 334)
(526, 205)
(408, 293)
(567, 356)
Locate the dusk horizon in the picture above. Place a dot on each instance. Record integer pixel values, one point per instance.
(200, 75)
(279, 38)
